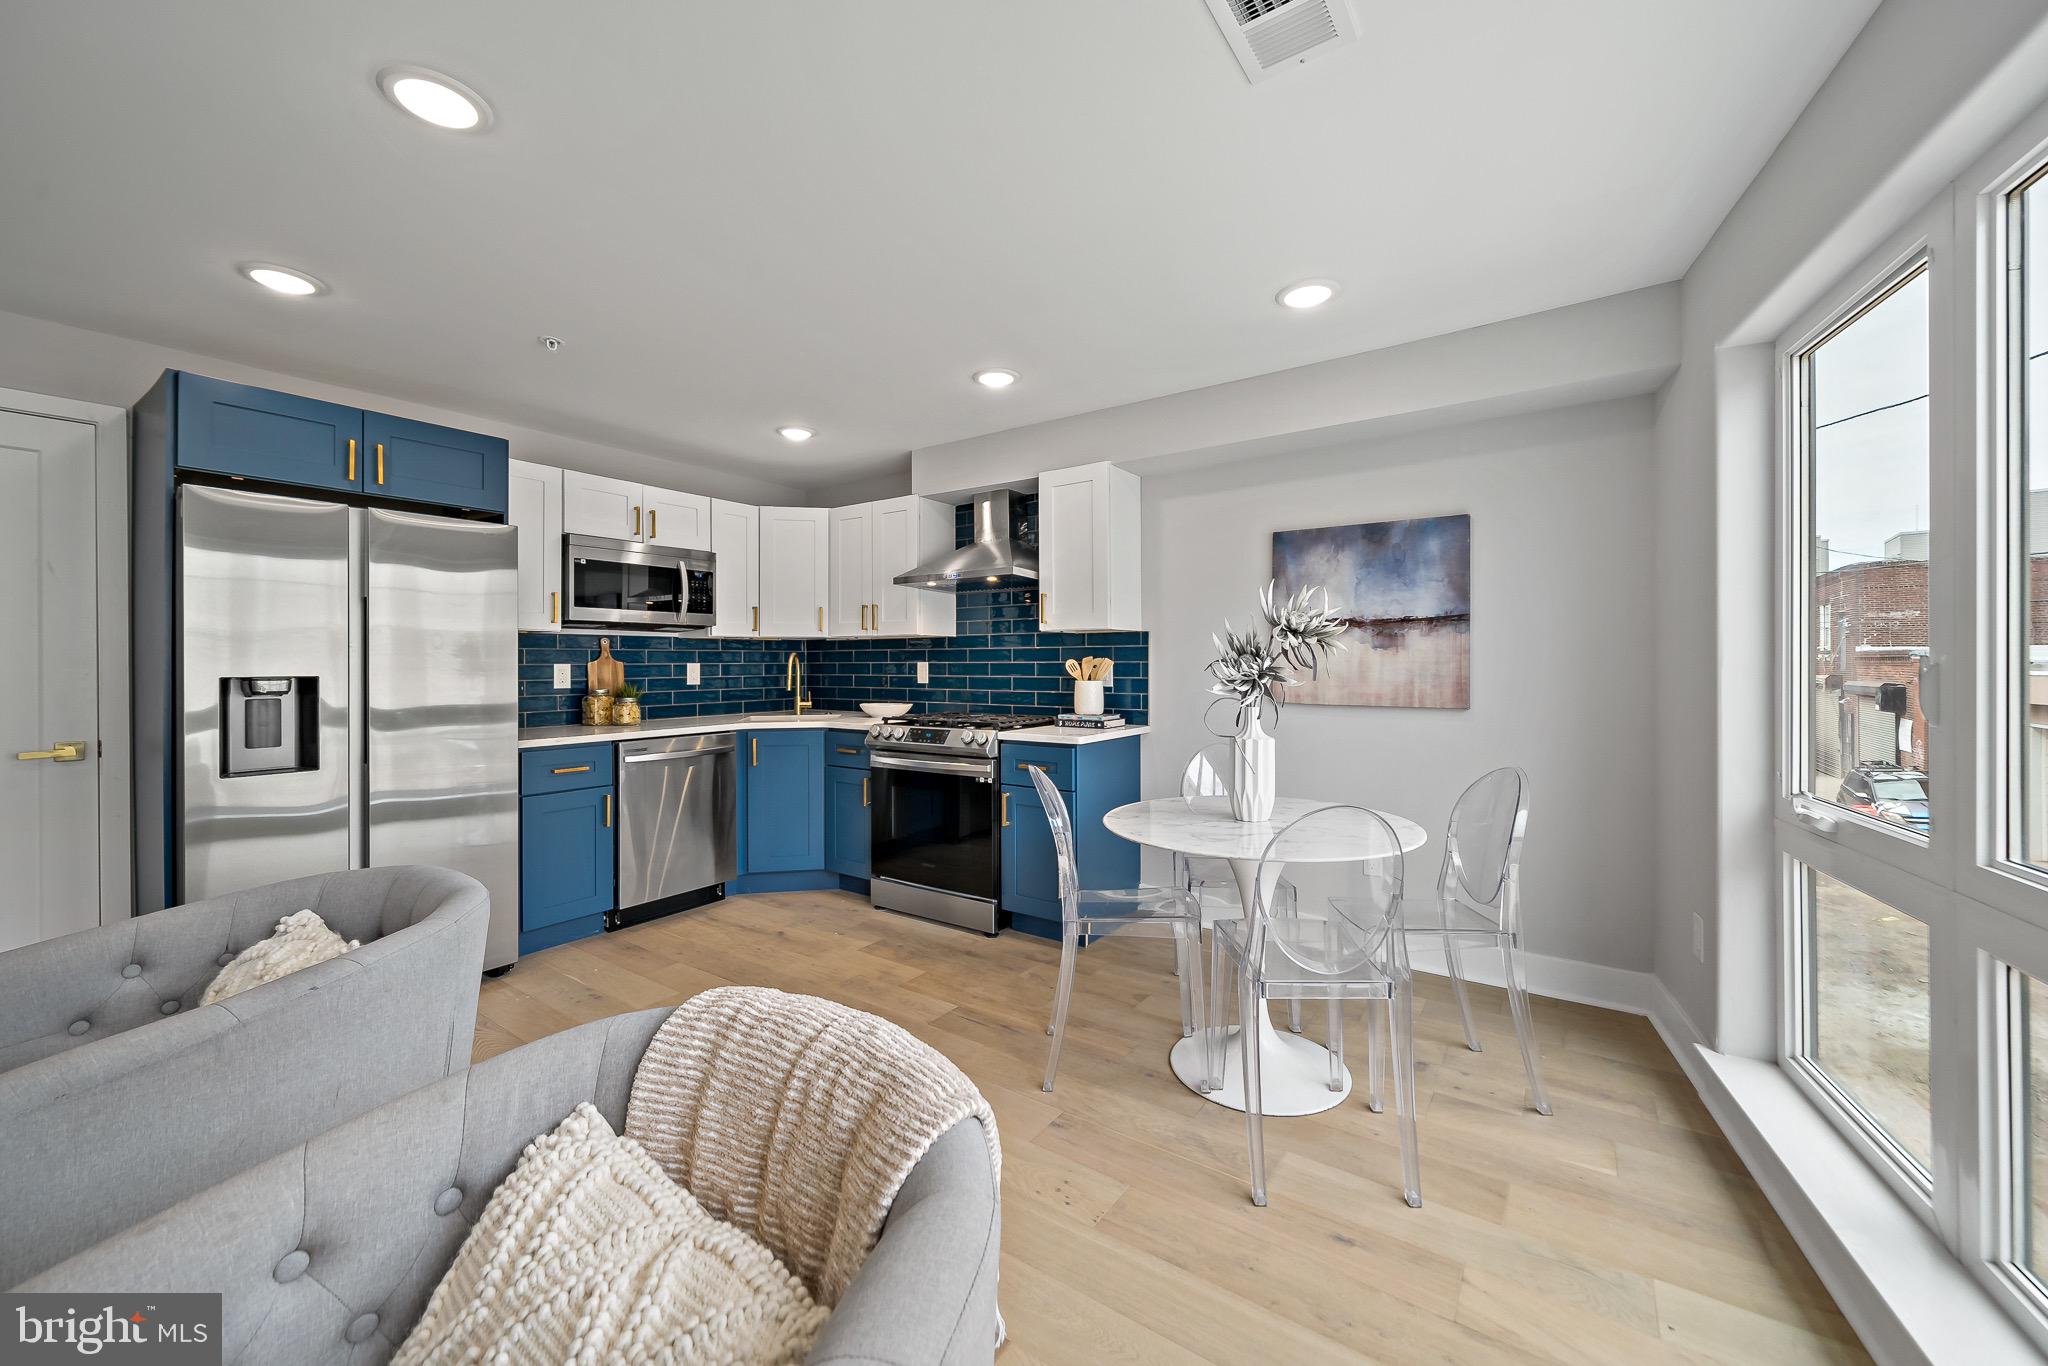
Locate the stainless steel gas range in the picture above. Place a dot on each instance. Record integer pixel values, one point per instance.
(935, 836)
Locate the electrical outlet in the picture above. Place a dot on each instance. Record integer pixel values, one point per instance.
(693, 673)
(562, 676)
(924, 672)
(1699, 937)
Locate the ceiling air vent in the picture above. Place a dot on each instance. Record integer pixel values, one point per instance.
(1272, 36)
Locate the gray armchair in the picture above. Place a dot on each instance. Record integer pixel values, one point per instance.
(120, 1094)
(328, 1253)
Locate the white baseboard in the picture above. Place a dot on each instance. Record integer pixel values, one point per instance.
(1565, 979)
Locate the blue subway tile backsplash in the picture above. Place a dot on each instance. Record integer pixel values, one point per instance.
(999, 661)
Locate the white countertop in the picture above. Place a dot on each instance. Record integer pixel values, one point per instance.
(538, 737)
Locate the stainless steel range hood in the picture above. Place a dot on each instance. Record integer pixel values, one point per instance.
(992, 554)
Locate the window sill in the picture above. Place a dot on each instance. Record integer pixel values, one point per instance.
(1899, 1287)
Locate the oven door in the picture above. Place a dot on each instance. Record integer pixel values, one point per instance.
(622, 583)
(933, 823)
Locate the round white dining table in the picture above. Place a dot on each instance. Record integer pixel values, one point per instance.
(1294, 1071)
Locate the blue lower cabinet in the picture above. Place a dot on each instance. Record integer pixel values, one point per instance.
(1094, 779)
(846, 821)
(567, 865)
(440, 466)
(782, 782)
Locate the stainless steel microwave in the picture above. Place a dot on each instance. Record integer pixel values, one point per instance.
(627, 583)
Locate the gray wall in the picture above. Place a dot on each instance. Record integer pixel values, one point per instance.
(1562, 570)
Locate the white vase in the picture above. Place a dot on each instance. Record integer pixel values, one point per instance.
(1253, 759)
(1087, 698)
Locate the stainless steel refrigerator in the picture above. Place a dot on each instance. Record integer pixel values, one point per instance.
(348, 692)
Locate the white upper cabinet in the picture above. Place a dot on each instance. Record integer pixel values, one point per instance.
(682, 520)
(736, 542)
(871, 544)
(1088, 550)
(535, 509)
(795, 571)
(593, 505)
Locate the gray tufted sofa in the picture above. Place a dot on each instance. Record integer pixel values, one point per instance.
(120, 1095)
(327, 1253)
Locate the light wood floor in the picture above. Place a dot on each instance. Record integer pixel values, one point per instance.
(1623, 1229)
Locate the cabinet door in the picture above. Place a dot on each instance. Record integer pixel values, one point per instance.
(534, 508)
(909, 531)
(682, 520)
(593, 505)
(736, 541)
(1088, 549)
(259, 434)
(1031, 870)
(853, 553)
(565, 856)
(846, 821)
(795, 571)
(443, 467)
(785, 804)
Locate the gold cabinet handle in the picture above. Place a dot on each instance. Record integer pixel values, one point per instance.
(1041, 609)
(753, 751)
(557, 611)
(876, 615)
(652, 517)
(757, 621)
(863, 791)
(1006, 811)
(636, 519)
(607, 810)
(845, 750)
(863, 616)
(61, 751)
(351, 460)
(580, 768)
(821, 619)
(380, 464)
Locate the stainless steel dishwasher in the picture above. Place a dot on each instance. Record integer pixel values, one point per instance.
(677, 822)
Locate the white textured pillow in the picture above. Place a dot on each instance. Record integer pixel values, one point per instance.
(301, 940)
(589, 1253)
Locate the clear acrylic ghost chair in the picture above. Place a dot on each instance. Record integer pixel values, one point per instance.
(1478, 900)
(1211, 773)
(1157, 912)
(1353, 951)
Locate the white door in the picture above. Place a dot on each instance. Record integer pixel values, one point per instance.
(535, 508)
(853, 552)
(593, 505)
(1072, 505)
(736, 542)
(682, 520)
(49, 682)
(898, 550)
(795, 571)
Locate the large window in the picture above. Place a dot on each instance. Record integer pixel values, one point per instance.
(2027, 357)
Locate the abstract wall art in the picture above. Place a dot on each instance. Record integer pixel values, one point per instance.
(1405, 590)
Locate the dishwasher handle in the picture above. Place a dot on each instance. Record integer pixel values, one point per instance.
(658, 751)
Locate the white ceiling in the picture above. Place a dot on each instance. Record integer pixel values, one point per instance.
(777, 211)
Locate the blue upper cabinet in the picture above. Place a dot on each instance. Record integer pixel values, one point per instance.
(423, 463)
(259, 434)
(784, 782)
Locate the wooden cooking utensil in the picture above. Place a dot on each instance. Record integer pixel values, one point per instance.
(606, 673)
(1074, 672)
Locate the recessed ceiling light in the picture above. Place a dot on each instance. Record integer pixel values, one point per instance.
(283, 279)
(1308, 294)
(440, 100)
(995, 379)
(798, 434)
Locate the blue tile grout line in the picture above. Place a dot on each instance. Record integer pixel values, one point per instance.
(1000, 661)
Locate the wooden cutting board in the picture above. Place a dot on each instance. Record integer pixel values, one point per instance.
(606, 673)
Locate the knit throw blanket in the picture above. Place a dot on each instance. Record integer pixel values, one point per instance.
(797, 1119)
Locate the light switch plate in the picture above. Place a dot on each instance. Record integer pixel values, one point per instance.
(924, 672)
(693, 673)
(562, 676)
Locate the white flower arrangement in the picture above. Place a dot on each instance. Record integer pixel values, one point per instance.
(1252, 669)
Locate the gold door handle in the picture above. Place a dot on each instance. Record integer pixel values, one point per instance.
(845, 750)
(652, 520)
(821, 619)
(1006, 811)
(863, 616)
(876, 615)
(1041, 609)
(753, 751)
(62, 751)
(557, 611)
(636, 519)
(757, 621)
(607, 810)
(380, 463)
(351, 460)
(580, 768)
(863, 791)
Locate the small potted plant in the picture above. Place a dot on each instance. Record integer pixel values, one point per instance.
(1252, 670)
(626, 705)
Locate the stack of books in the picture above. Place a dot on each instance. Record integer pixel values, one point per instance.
(1108, 720)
